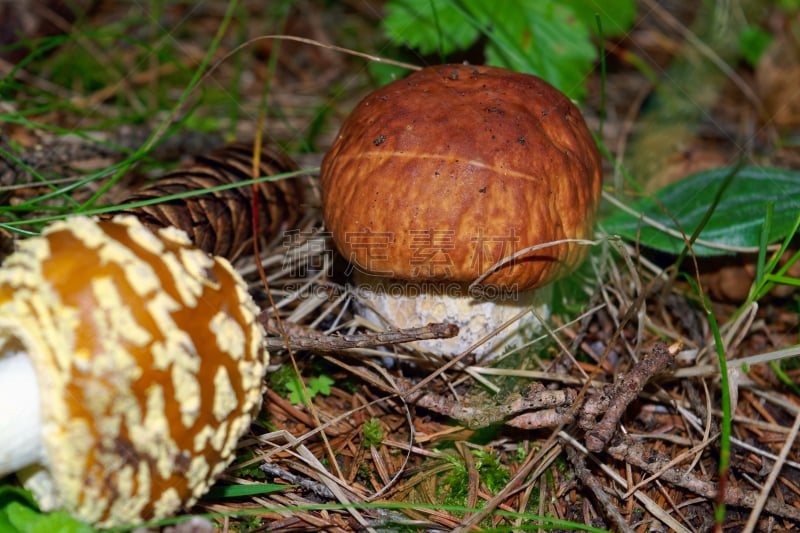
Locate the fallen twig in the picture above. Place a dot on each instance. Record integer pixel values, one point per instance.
(628, 450)
(535, 398)
(590, 480)
(316, 487)
(299, 337)
(616, 398)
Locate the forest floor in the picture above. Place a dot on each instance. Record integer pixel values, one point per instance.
(427, 444)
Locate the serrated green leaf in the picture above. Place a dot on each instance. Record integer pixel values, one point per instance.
(545, 39)
(429, 26)
(5, 523)
(736, 222)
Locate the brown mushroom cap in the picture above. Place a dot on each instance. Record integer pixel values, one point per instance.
(149, 359)
(444, 173)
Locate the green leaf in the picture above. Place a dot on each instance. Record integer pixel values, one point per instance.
(18, 514)
(549, 38)
(736, 222)
(9, 493)
(238, 491)
(316, 385)
(752, 43)
(783, 280)
(10, 498)
(616, 16)
(295, 389)
(541, 38)
(21, 516)
(321, 384)
(429, 26)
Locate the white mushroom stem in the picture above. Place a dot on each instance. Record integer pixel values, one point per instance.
(405, 304)
(20, 417)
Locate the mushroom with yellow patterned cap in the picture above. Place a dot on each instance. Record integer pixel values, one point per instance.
(131, 364)
(458, 193)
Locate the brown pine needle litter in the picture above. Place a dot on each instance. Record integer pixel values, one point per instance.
(610, 418)
(600, 421)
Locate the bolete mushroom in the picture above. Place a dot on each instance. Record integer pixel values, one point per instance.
(436, 178)
(131, 363)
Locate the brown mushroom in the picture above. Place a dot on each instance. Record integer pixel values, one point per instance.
(131, 364)
(436, 178)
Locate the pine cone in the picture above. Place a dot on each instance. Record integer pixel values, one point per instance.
(220, 222)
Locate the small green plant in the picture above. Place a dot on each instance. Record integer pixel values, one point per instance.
(549, 38)
(316, 385)
(364, 470)
(491, 472)
(285, 382)
(372, 432)
(247, 523)
(752, 43)
(251, 471)
(520, 455)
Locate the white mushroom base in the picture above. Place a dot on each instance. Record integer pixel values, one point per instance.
(22, 445)
(402, 304)
(20, 421)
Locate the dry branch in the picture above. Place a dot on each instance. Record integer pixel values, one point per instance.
(628, 450)
(616, 398)
(590, 481)
(299, 337)
(271, 469)
(534, 398)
